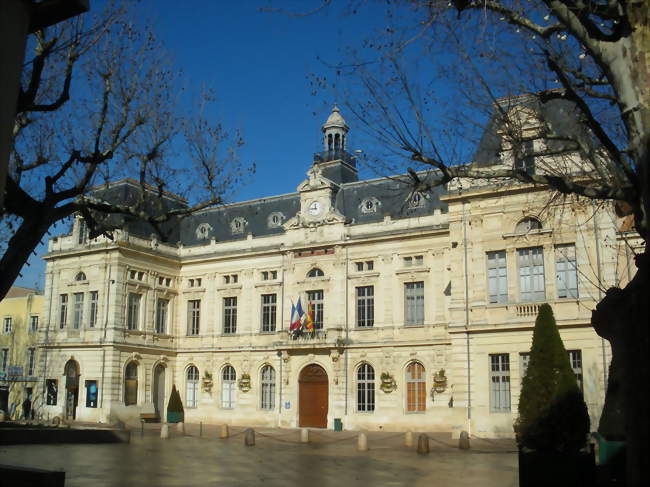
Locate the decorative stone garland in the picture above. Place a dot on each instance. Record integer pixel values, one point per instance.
(244, 383)
(388, 383)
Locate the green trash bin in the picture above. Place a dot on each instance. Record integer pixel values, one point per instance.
(338, 424)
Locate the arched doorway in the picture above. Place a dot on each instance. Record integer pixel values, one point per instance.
(71, 372)
(159, 391)
(313, 397)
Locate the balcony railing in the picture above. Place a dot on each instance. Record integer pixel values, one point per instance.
(335, 155)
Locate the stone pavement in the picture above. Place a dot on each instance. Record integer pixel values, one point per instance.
(200, 458)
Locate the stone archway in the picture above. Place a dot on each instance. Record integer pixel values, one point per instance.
(313, 395)
(71, 373)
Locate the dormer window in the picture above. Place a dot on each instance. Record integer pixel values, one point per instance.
(527, 225)
(275, 219)
(315, 272)
(237, 225)
(370, 205)
(203, 231)
(80, 277)
(416, 201)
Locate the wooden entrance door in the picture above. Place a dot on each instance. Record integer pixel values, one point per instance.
(313, 397)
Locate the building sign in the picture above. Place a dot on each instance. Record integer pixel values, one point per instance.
(15, 370)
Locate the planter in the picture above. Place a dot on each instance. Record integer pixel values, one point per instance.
(557, 469)
(175, 417)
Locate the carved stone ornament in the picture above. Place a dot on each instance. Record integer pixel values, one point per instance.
(206, 382)
(388, 383)
(244, 383)
(439, 381)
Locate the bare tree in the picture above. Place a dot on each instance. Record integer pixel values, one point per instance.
(590, 58)
(100, 101)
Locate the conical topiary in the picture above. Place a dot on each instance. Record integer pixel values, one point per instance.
(552, 412)
(175, 411)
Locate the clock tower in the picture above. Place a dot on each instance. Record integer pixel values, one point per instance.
(331, 168)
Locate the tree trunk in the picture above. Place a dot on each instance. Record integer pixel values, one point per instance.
(24, 242)
(622, 318)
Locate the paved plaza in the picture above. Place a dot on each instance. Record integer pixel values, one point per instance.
(200, 458)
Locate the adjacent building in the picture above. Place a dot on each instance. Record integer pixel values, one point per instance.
(422, 305)
(21, 312)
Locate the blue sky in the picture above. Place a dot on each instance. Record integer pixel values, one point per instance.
(258, 65)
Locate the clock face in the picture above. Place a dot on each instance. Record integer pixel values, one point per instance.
(314, 208)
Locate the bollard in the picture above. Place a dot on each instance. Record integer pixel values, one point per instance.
(249, 437)
(463, 441)
(224, 432)
(181, 427)
(423, 444)
(304, 435)
(362, 442)
(200, 429)
(408, 439)
(142, 427)
(164, 431)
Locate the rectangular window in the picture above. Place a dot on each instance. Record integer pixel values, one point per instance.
(566, 271)
(78, 310)
(575, 357)
(317, 308)
(52, 391)
(269, 307)
(63, 311)
(33, 323)
(497, 277)
(94, 304)
(531, 274)
(133, 311)
(359, 266)
(370, 265)
(31, 361)
(230, 315)
(91, 393)
(408, 261)
(524, 360)
(162, 305)
(414, 303)
(82, 230)
(500, 383)
(193, 317)
(365, 306)
(419, 260)
(7, 325)
(4, 363)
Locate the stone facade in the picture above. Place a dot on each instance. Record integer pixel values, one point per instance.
(427, 303)
(21, 315)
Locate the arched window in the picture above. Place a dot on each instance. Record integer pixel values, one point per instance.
(228, 377)
(80, 277)
(192, 386)
(365, 388)
(315, 272)
(131, 384)
(528, 224)
(268, 388)
(416, 388)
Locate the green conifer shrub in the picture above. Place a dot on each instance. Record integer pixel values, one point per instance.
(552, 412)
(175, 404)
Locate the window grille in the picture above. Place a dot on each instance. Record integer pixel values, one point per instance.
(414, 303)
(531, 274)
(365, 388)
(268, 388)
(228, 376)
(365, 306)
(230, 315)
(500, 383)
(497, 277)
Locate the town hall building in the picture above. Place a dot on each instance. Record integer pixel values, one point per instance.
(422, 304)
